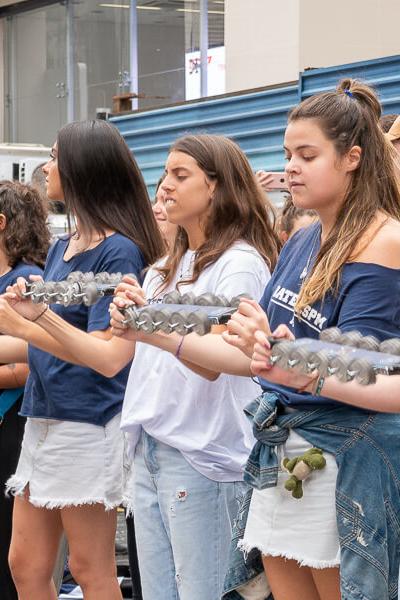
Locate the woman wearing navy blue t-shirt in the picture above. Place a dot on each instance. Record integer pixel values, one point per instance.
(70, 472)
(343, 271)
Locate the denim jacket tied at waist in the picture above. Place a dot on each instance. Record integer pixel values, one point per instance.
(367, 450)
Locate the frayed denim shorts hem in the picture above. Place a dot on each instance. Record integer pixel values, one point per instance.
(66, 464)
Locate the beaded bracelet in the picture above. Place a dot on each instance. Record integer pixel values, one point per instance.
(320, 385)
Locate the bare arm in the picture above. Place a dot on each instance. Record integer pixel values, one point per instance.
(50, 333)
(382, 396)
(98, 350)
(13, 375)
(207, 355)
(13, 350)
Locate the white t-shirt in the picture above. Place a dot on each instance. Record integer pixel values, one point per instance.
(204, 420)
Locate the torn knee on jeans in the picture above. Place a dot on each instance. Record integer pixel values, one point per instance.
(181, 494)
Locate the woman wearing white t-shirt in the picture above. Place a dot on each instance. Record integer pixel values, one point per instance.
(186, 426)
(191, 436)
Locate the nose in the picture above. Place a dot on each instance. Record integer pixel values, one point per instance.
(167, 184)
(156, 207)
(45, 168)
(291, 166)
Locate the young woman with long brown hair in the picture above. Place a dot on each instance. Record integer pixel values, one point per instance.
(343, 271)
(189, 433)
(70, 476)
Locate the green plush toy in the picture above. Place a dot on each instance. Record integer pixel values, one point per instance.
(300, 468)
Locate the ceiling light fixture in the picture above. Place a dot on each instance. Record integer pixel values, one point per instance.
(139, 7)
(196, 10)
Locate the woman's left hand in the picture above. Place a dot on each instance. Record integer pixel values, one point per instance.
(117, 318)
(261, 366)
(243, 325)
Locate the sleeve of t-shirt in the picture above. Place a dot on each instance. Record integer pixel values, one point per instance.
(243, 272)
(370, 304)
(24, 271)
(125, 258)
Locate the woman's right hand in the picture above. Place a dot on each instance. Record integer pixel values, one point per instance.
(21, 304)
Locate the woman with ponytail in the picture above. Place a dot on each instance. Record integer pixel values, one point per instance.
(343, 271)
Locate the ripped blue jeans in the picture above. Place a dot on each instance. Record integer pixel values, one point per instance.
(183, 523)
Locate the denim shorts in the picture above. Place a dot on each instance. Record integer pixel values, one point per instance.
(67, 463)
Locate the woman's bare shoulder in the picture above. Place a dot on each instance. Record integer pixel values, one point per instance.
(383, 247)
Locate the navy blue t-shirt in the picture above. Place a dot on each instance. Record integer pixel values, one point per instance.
(21, 269)
(368, 300)
(60, 390)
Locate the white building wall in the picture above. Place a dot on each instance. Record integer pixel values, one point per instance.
(270, 41)
(346, 31)
(261, 42)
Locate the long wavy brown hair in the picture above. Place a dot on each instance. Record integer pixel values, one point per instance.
(26, 237)
(239, 209)
(349, 117)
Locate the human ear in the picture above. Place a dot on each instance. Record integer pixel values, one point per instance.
(3, 222)
(212, 184)
(353, 158)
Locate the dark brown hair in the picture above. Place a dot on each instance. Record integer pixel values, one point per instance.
(103, 185)
(349, 117)
(238, 210)
(290, 213)
(26, 236)
(386, 121)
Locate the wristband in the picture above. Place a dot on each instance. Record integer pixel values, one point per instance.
(320, 385)
(179, 348)
(41, 315)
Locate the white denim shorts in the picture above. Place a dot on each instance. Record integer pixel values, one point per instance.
(67, 463)
(304, 530)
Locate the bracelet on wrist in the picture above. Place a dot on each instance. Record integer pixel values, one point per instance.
(179, 348)
(319, 385)
(309, 386)
(40, 315)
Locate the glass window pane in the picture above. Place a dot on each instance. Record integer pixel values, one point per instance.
(36, 85)
(168, 31)
(216, 47)
(101, 54)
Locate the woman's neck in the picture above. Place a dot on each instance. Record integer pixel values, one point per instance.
(5, 266)
(196, 237)
(327, 219)
(88, 237)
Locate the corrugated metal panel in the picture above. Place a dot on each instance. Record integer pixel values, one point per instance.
(382, 73)
(256, 121)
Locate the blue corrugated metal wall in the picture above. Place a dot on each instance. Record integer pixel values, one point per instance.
(256, 120)
(382, 73)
